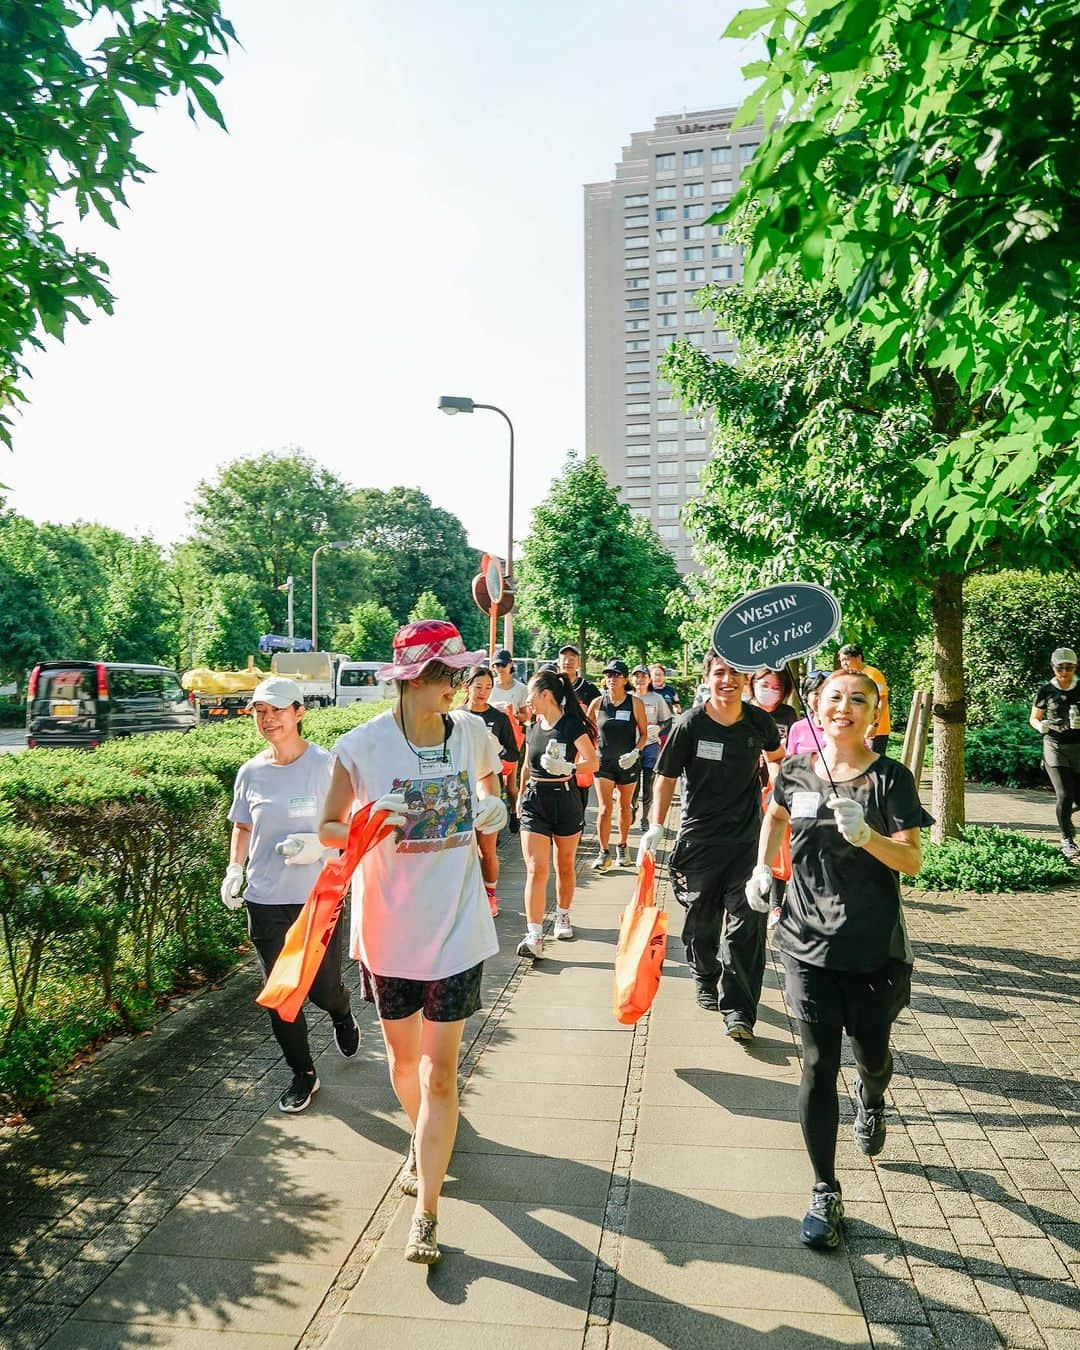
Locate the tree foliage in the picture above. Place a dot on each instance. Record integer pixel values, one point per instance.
(428, 606)
(138, 621)
(922, 158)
(229, 627)
(368, 635)
(73, 74)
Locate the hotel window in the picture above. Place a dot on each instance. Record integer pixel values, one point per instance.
(722, 251)
(665, 255)
(664, 341)
(667, 447)
(666, 297)
(720, 338)
(670, 511)
(691, 298)
(694, 274)
(693, 490)
(665, 163)
(668, 531)
(693, 232)
(696, 339)
(638, 387)
(642, 511)
(634, 222)
(643, 303)
(721, 154)
(695, 211)
(692, 159)
(667, 320)
(669, 469)
(667, 405)
(667, 489)
(637, 283)
(667, 426)
(637, 492)
(695, 448)
(666, 194)
(636, 325)
(639, 199)
(638, 471)
(637, 410)
(667, 234)
(727, 357)
(638, 345)
(637, 367)
(636, 241)
(717, 231)
(747, 152)
(724, 273)
(693, 255)
(666, 212)
(694, 317)
(631, 263)
(666, 278)
(693, 189)
(721, 187)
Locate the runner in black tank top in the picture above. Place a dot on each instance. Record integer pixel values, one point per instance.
(624, 730)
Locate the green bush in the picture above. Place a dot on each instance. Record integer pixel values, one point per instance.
(1005, 749)
(986, 858)
(109, 869)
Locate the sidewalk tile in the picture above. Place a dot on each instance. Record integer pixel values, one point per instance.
(677, 1167)
(570, 1101)
(518, 1066)
(511, 1231)
(734, 1218)
(640, 1325)
(80, 1334)
(713, 1126)
(509, 1135)
(527, 1179)
(413, 1333)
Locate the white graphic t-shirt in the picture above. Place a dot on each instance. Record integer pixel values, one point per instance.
(419, 907)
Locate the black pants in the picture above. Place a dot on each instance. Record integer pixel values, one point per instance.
(643, 792)
(1066, 784)
(819, 1106)
(724, 938)
(267, 926)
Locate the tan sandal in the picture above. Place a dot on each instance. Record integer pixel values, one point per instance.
(422, 1246)
(409, 1181)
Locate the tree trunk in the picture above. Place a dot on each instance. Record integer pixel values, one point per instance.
(584, 654)
(949, 706)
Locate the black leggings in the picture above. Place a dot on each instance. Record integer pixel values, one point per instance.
(1066, 783)
(819, 1107)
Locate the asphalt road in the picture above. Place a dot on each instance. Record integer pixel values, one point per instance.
(12, 739)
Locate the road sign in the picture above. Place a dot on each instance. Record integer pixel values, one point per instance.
(776, 625)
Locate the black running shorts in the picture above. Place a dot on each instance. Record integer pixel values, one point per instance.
(847, 999)
(450, 999)
(552, 809)
(620, 777)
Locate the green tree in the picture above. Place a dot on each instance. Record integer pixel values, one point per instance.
(814, 468)
(592, 570)
(369, 633)
(922, 158)
(79, 580)
(73, 72)
(428, 606)
(264, 517)
(139, 620)
(229, 627)
(30, 627)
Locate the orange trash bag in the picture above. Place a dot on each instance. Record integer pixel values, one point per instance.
(639, 957)
(781, 868)
(307, 940)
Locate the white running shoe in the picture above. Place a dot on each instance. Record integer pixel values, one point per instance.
(531, 946)
(564, 932)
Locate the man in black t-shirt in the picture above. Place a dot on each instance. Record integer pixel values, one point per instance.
(570, 664)
(717, 748)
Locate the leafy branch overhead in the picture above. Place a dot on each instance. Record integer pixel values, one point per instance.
(73, 74)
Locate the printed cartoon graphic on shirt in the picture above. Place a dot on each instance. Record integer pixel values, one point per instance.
(440, 813)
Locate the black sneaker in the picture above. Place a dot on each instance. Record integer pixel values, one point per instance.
(515, 823)
(869, 1126)
(643, 824)
(707, 996)
(739, 1028)
(297, 1096)
(347, 1037)
(821, 1222)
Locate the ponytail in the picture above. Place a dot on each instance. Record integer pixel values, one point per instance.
(561, 688)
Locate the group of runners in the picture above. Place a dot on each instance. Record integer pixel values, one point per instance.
(424, 902)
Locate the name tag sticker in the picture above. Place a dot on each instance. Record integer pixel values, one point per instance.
(623, 716)
(710, 750)
(804, 804)
(433, 765)
(301, 806)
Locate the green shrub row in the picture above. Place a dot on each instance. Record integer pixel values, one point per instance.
(110, 863)
(986, 858)
(1004, 749)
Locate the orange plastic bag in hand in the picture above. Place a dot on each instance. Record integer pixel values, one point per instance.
(307, 940)
(781, 868)
(639, 957)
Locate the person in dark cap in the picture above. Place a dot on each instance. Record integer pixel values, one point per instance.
(623, 734)
(585, 691)
(510, 696)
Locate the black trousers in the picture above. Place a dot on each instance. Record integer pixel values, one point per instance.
(267, 926)
(1066, 785)
(642, 792)
(724, 938)
(819, 1106)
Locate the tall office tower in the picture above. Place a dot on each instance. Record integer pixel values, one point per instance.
(647, 254)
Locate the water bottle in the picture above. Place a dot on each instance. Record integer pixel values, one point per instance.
(1074, 716)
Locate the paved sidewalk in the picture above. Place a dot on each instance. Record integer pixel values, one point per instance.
(620, 1187)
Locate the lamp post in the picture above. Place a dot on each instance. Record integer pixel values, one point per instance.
(450, 405)
(289, 587)
(334, 543)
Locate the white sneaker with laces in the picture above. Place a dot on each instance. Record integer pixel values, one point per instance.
(564, 931)
(531, 946)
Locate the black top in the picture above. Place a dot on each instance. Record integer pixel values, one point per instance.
(1059, 705)
(617, 727)
(785, 717)
(667, 694)
(721, 795)
(567, 731)
(843, 907)
(586, 692)
(497, 721)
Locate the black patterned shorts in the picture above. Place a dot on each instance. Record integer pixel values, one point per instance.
(451, 999)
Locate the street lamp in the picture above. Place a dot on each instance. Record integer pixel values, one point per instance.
(334, 543)
(450, 405)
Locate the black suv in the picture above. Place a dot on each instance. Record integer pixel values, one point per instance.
(86, 702)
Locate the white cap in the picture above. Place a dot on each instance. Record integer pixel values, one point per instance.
(1063, 655)
(278, 691)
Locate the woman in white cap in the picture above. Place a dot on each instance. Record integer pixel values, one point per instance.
(277, 804)
(1056, 717)
(421, 926)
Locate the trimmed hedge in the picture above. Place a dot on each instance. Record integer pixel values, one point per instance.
(985, 858)
(110, 862)
(1004, 749)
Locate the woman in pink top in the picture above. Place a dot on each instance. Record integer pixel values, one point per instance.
(801, 736)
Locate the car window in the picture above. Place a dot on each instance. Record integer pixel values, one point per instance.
(148, 684)
(357, 679)
(65, 686)
(170, 687)
(123, 684)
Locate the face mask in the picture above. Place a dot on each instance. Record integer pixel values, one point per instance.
(768, 698)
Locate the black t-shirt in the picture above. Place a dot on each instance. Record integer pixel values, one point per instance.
(617, 727)
(497, 721)
(1058, 705)
(567, 731)
(721, 793)
(667, 694)
(843, 906)
(586, 692)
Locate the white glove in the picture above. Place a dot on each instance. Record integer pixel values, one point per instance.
(628, 760)
(230, 886)
(850, 820)
(758, 888)
(556, 765)
(394, 802)
(490, 816)
(650, 842)
(301, 850)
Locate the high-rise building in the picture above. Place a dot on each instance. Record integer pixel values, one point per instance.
(648, 252)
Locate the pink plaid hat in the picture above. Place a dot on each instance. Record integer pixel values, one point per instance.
(418, 644)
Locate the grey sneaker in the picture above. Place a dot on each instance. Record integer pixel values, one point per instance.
(821, 1223)
(621, 860)
(869, 1125)
(422, 1246)
(563, 929)
(1070, 849)
(531, 946)
(409, 1181)
(602, 862)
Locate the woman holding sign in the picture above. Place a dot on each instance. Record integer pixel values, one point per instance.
(855, 821)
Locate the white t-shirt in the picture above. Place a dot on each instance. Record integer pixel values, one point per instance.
(657, 714)
(514, 697)
(419, 910)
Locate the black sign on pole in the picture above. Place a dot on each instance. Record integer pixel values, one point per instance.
(779, 624)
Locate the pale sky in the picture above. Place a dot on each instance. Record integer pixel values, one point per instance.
(396, 213)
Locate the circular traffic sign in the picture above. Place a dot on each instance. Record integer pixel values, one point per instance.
(493, 575)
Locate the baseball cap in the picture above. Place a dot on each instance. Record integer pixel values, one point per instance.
(569, 648)
(502, 657)
(616, 668)
(1063, 656)
(640, 670)
(279, 691)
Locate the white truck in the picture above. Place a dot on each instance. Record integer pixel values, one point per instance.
(314, 672)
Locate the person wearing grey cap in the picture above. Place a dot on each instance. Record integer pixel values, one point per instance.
(1056, 717)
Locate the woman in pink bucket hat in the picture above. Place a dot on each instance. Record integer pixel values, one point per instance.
(421, 926)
